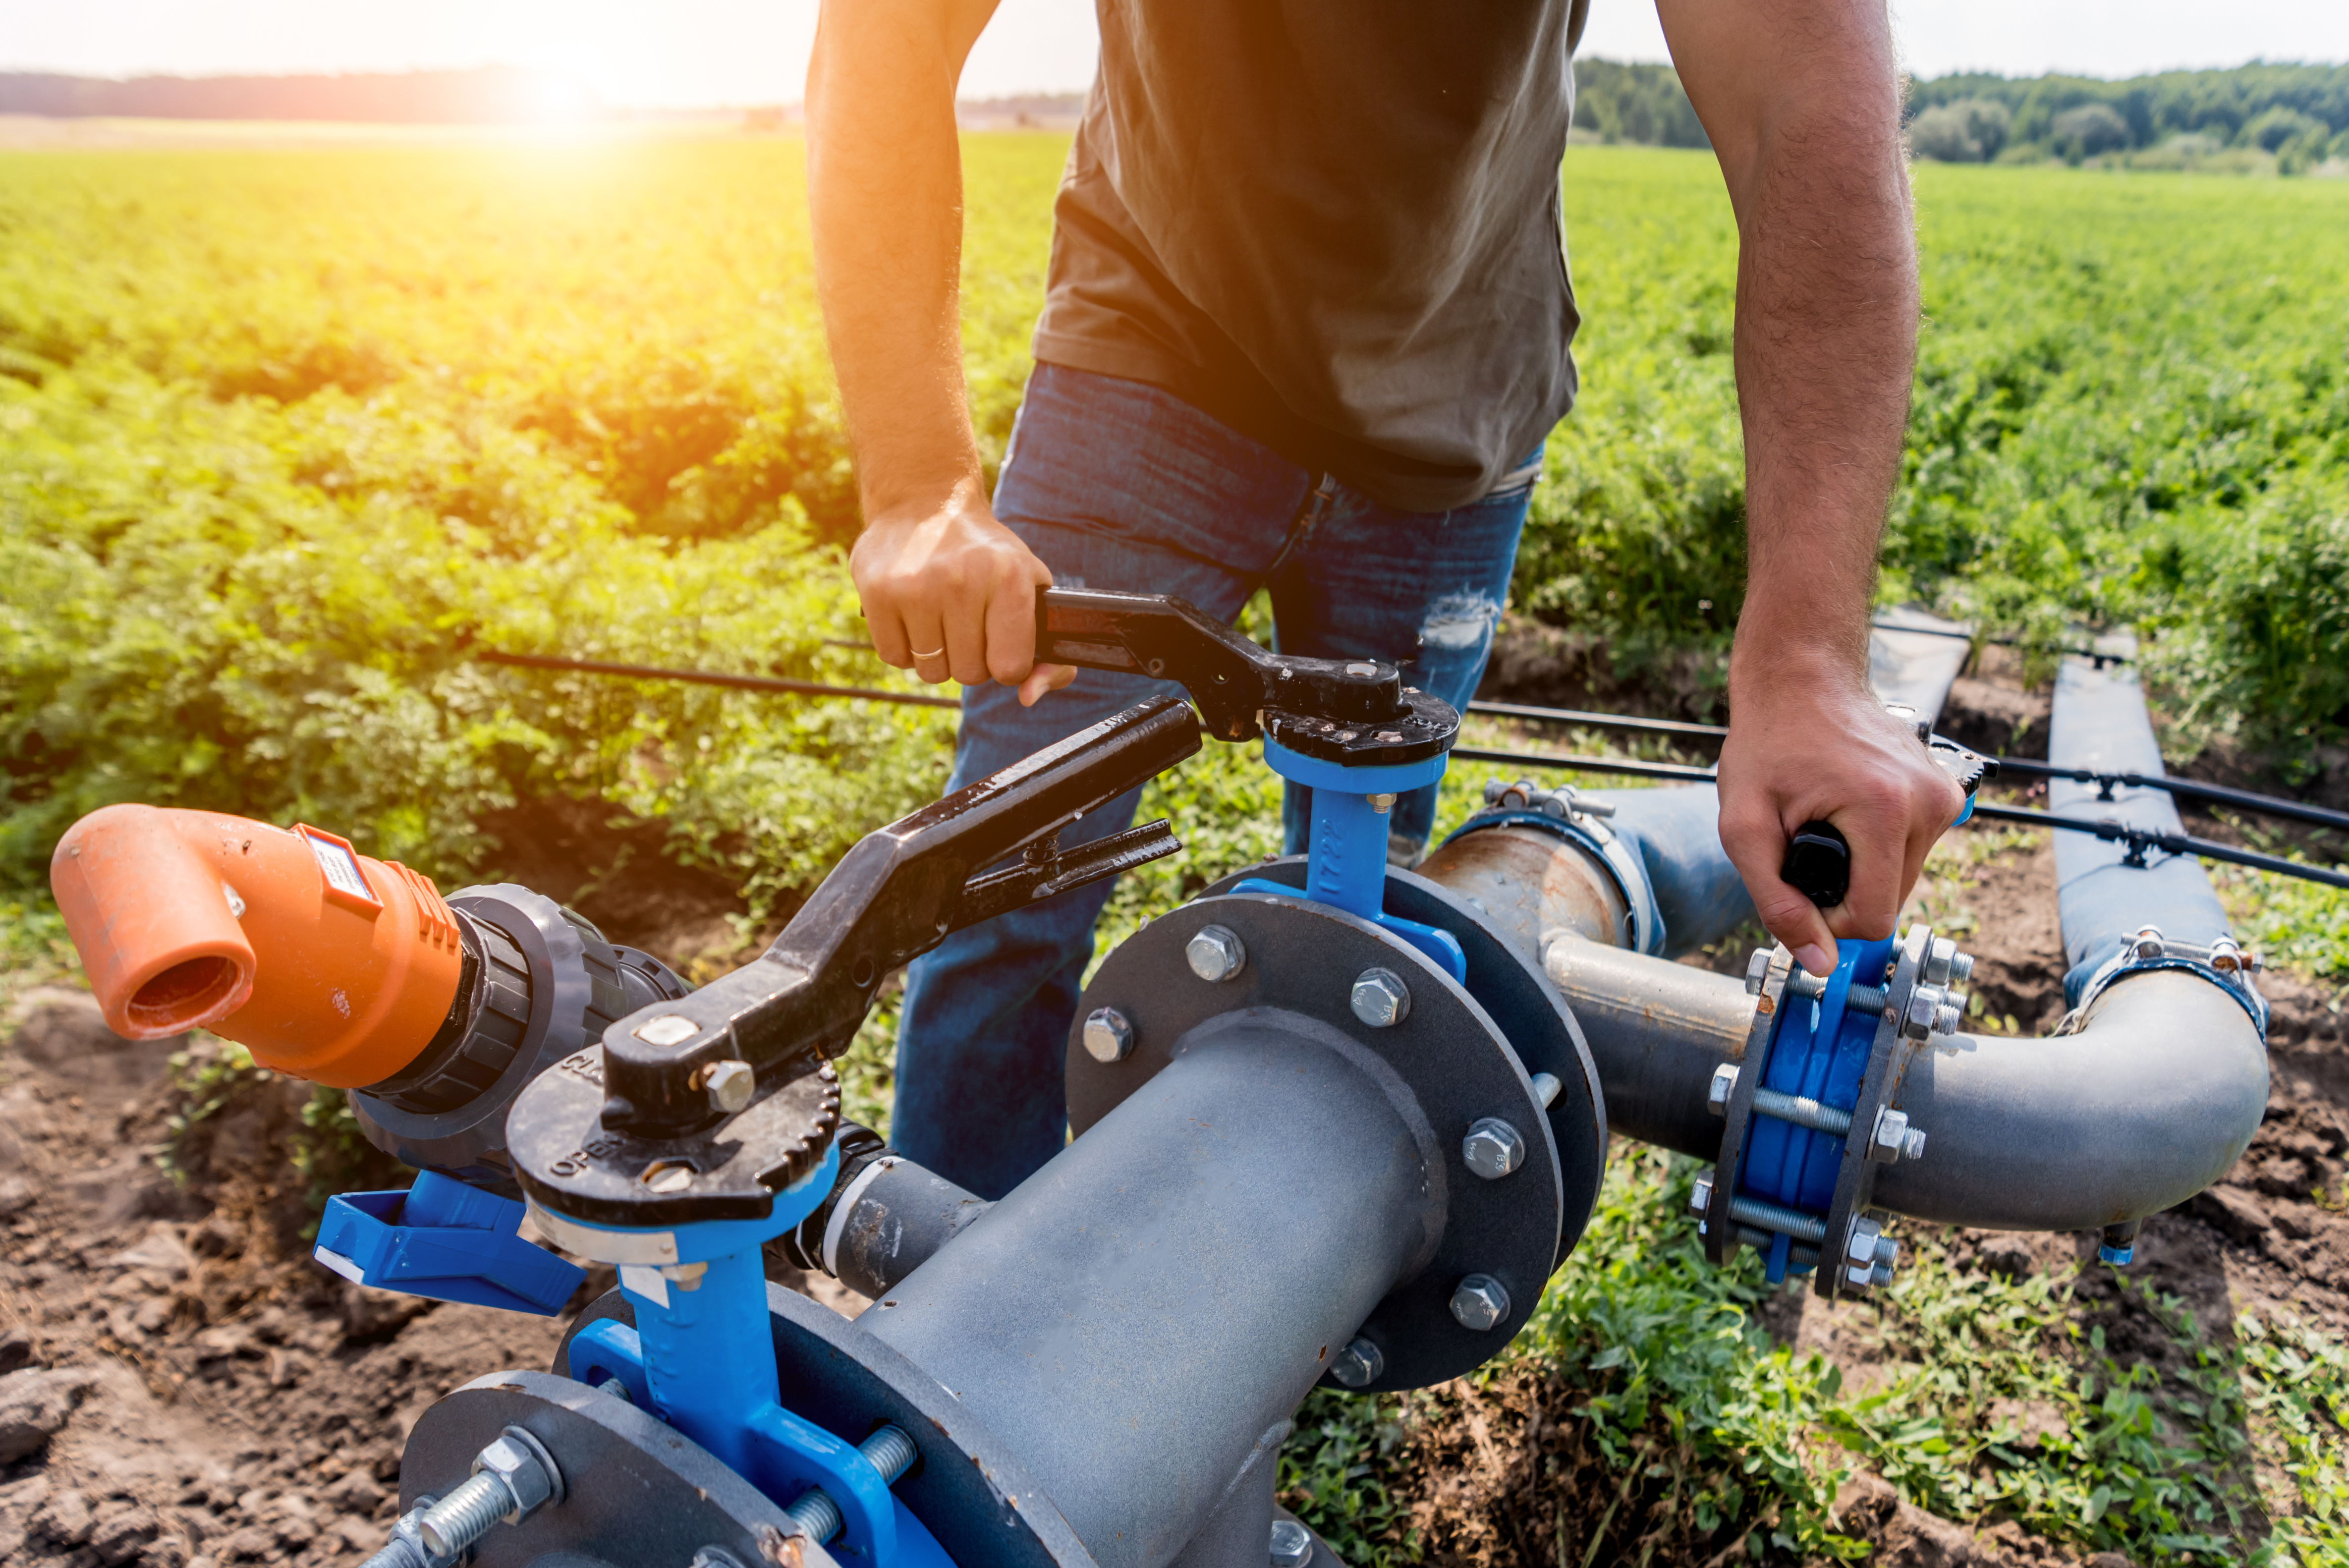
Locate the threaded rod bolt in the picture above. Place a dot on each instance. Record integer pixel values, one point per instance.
(888, 1451)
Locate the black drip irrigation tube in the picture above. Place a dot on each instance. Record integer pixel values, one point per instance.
(2138, 840)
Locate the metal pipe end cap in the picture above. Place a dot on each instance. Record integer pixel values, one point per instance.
(1359, 1364)
(1214, 954)
(1292, 1544)
(1480, 1302)
(1108, 1036)
(1493, 1148)
(1379, 997)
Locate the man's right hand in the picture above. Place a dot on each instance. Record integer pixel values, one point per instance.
(950, 594)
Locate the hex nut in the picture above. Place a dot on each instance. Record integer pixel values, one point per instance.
(1701, 1195)
(1924, 1008)
(1941, 956)
(1480, 1302)
(1859, 1242)
(1380, 999)
(1724, 1085)
(2150, 943)
(1546, 1088)
(728, 1085)
(1757, 971)
(515, 1460)
(1108, 1036)
(1214, 954)
(1493, 1148)
(1889, 1140)
(1359, 1364)
(1291, 1544)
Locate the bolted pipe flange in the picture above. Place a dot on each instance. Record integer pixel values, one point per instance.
(1479, 1302)
(1380, 999)
(1493, 1148)
(1358, 1364)
(1108, 1036)
(1214, 954)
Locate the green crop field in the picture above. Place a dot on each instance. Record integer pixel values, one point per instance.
(284, 434)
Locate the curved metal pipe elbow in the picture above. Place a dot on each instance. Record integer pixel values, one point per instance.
(2154, 1096)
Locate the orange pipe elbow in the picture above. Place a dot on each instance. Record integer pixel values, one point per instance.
(324, 963)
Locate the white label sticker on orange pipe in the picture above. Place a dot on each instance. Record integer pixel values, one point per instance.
(340, 864)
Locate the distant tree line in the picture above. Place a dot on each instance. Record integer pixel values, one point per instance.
(491, 96)
(2298, 113)
(1642, 104)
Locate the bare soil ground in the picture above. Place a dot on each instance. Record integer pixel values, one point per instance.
(180, 1387)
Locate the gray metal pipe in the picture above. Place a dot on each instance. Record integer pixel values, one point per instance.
(2153, 1094)
(2149, 1101)
(891, 1218)
(1099, 1318)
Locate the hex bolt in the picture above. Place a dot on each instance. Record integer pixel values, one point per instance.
(1493, 1148)
(889, 1450)
(1962, 968)
(1948, 1019)
(1757, 971)
(1359, 1365)
(1924, 1010)
(404, 1550)
(1108, 1036)
(1701, 1195)
(1214, 954)
(1381, 803)
(1859, 1252)
(1546, 1088)
(728, 1085)
(512, 1477)
(1480, 1302)
(1889, 1140)
(1380, 999)
(1292, 1544)
(1724, 1085)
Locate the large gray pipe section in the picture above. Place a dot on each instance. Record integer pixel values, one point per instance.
(2154, 1094)
(1140, 1317)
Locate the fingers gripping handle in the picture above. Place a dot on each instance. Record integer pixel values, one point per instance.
(1818, 857)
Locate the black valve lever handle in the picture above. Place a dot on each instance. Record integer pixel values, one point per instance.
(1352, 712)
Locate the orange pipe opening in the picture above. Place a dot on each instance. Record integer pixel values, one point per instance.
(325, 963)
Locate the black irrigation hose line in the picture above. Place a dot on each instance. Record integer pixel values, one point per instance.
(2216, 794)
(1600, 720)
(2186, 789)
(709, 677)
(2102, 659)
(1678, 771)
(2138, 840)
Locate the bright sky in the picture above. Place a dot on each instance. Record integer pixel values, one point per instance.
(683, 53)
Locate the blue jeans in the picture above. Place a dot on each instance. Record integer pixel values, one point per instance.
(1115, 484)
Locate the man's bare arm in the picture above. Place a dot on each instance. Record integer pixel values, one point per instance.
(949, 592)
(1801, 100)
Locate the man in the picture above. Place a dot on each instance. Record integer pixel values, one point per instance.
(1306, 327)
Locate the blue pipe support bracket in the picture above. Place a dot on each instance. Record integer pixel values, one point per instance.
(1819, 1050)
(446, 1240)
(701, 1357)
(1346, 853)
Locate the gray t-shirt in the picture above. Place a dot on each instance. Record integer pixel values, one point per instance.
(1332, 224)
